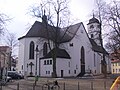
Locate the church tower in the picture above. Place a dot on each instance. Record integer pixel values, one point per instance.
(44, 18)
(94, 30)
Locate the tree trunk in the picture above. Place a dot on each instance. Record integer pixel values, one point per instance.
(54, 74)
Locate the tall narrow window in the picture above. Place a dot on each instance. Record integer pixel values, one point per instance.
(74, 71)
(91, 35)
(45, 49)
(50, 61)
(116, 70)
(68, 64)
(69, 71)
(31, 52)
(45, 62)
(82, 56)
(113, 70)
(82, 61)
(22, 67)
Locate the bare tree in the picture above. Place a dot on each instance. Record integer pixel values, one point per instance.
(12, 42)
(57, 16)
(57, 12)
(113, 21)
(100, 7)
(3, 20)
(109, 17)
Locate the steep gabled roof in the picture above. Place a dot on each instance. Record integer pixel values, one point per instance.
(97, 48)
(60, 53)
(39, 29)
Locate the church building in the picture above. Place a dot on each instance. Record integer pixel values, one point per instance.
(79, 52)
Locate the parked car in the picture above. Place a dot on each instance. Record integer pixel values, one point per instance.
(8, 79)
(5, 80)
(14, 75)
(87, 76)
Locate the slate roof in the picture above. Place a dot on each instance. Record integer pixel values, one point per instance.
(97, 48)
(60, 53)
(39, 29)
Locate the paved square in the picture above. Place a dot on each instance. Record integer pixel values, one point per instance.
(65, 84)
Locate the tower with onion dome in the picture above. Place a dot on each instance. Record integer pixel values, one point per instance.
(94, 30)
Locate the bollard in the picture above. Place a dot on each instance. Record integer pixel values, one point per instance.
(1, 86)
(18, 86)
(33, 86)
(91, 85)
(64, 86)
(78, 86)
(42, 87)
(36, 79)
(105, 85)
(48, 87)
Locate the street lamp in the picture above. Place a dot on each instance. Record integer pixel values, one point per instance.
(36, 78)
(36, 59)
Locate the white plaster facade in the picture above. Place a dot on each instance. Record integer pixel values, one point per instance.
(64, 67)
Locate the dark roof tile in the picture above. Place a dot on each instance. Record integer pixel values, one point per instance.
(97, 48)
(60, 53)
(39, 29)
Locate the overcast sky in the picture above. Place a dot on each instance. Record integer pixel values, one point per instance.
(18, 10)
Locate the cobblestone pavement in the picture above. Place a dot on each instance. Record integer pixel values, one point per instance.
(65, 84)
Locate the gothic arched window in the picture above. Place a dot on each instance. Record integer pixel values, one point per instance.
(45, 49)
(82, 55)
(31, 50)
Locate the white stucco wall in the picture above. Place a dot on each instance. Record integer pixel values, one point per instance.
(108, 61)
(63, 64)
(91, 62)
(21, 55)
(24, 55)
(80, 40)
(45, 70)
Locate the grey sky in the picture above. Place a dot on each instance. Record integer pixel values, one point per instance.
(18, 9)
